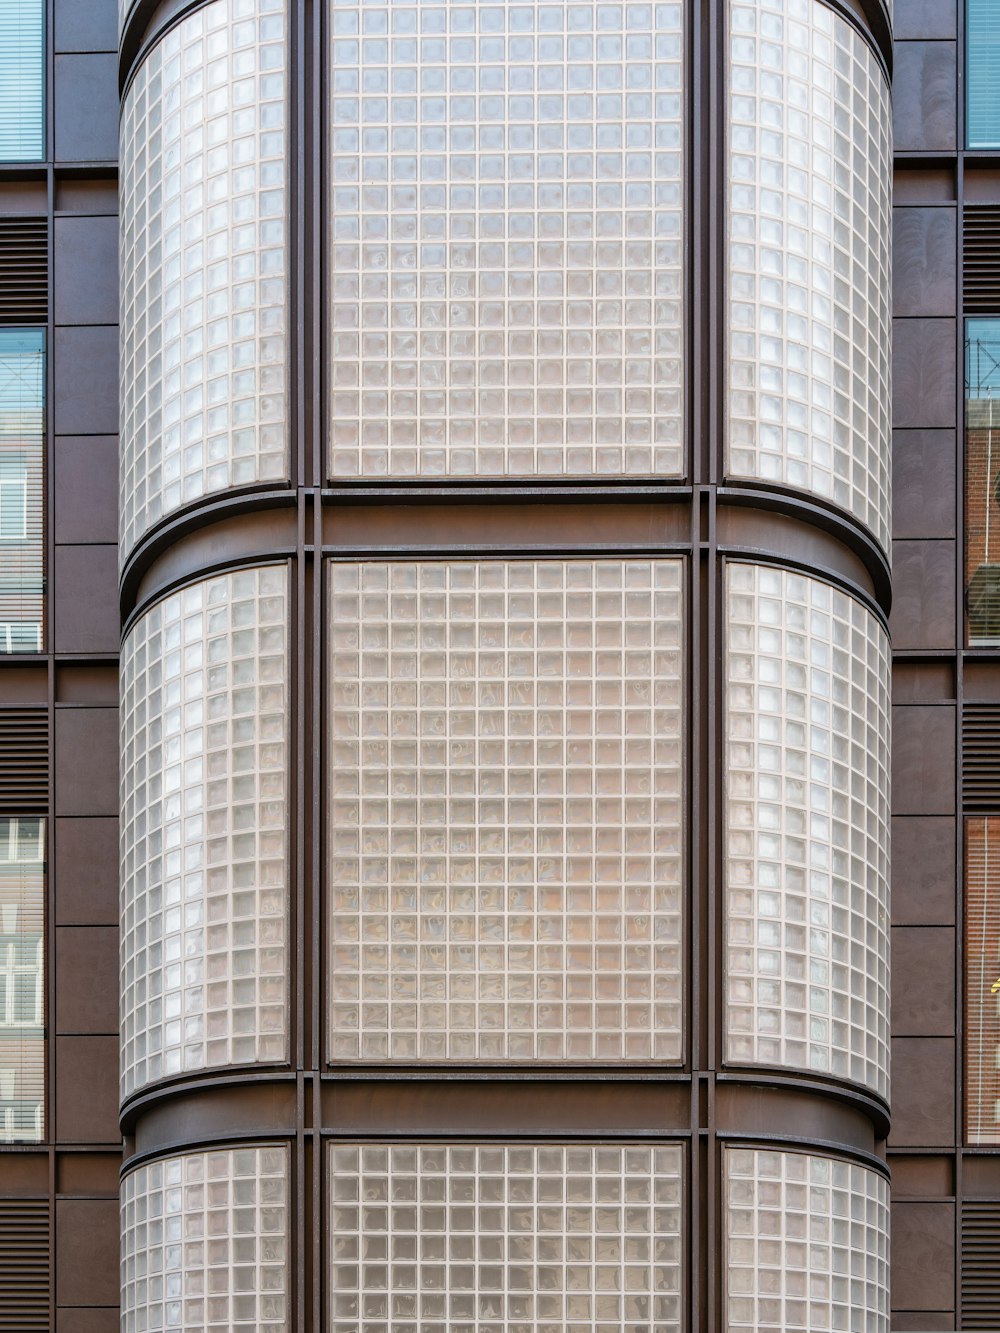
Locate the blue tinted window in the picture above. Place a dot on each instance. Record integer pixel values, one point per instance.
(22, 80)
(983, 73)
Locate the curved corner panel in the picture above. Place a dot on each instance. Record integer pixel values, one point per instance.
(204, 762)
(509, 1236)
(807, 828)
(806, 1243)
(205, 1242)
(204, 220)
(809, 338)
(506, 810)
(506, 242)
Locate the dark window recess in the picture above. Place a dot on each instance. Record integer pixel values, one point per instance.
(24, 271)
(24, 761)
(24, 1265)
(980, 1271)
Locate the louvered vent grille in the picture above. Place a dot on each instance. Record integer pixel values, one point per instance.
(24, 761)
(24, 1265)
(981, 757)
(981, 260)
(980, 1269)
(24, 271)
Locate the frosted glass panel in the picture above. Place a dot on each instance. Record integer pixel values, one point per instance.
(22, 980)
(810, 166)
(506, 238)
(204, 829)
(204, 263)
(807, 1244)
(205, 1242)
(506, 811)
(807, 811)
(428, 1237)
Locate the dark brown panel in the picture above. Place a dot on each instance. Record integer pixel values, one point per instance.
(981, 259)
(86, 490)
(24, 761)
(86, 270)
(88, 1321)
(982, 681)
(981, 183)
(85, 363)
(916, 1321)
(922, 682)
(97, 193)
(924, 96)
(923, 1092)
(914, 19)
(923, 760)
(981, 756)
(24, 1173)
(921, 1176)
(24, 271)
(86, 108)
(923, 871)
(86, 761)
(24, 1265)
(761, 1112)
(86, 1091)
(87, 1251)
(916, 182)
(923, 1255)
(923, 261)
(22, 684)
(88, 1173)
(923, 594)
(23, 196)
(85, 616)
(86, 872)
(981, 1175)
(923, 483)
(86, 959)
(923, 373)
(216, 1109)
(86, 684)
(923, 981)
(86, 25)
(980, 1292)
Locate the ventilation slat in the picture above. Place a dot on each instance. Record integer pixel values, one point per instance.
(24, 761)
(24, 271)
(24, 1265)
(981, 259)
(981, 757)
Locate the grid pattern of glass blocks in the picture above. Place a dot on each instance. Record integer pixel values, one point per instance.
(204, 259)
(807, 815)
(22, 980)
(807, 1244)
(502, 1238)
(205, 1242)
(506, 238)
(810, 165)
(204, 758)
(506, 810)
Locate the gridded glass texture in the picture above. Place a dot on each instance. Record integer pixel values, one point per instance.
(506, 810)
(807, 1244)
(810, 165)
(205, 1242)
(203, 261)
(429, 1238)
(807, 808)
(22, 980)
(204, 919)
(506, 238)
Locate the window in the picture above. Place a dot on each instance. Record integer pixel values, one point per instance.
(982, 473)
(13, 508)
(22, 80)
(982, 28)
(982, 980)
(22, 452)
(22, 979)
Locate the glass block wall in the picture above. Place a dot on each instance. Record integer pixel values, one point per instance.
(810, 165)
(204, 907)
(428, 1236)
(506, 189)
(206, 1243)
(506, 810)
(204, 262)
(807, 810)
(22, 980)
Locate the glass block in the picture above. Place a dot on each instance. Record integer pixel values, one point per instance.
(22, 980)
(204, 771)
(810, 166)
(506, 239)
(205, 1242)
(806, 1243)
(506, 810)
(503, 1238)
(807, 828)
(204, 220)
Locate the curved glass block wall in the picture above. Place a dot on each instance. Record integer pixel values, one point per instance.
(810, 166)
(506, 285)
(506, 810)
(806, 1243)
(204, 217)
(807, 828)
(205, 1242)
(429, 1236)
(204, 763)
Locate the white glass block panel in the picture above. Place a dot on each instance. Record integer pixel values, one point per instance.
(204, 760)
(807, 816)
(807, 1244)
(506, 285)
(204, 262)
(810, 166)
(506, 810)
(205, 1242)
(22, 980)
(503, 1237)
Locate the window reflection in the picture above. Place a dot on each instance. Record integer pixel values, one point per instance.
(982, 475)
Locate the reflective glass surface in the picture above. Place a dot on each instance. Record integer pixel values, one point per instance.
(22, 980)
(22, 80)
(807, 820)
(204, 262)
(810, 166)
(982, 980)
(22, 490)
(982, 482)
(506, 238)
(204, 760)
(982, 74)
(506, 810)
(428, 1237)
